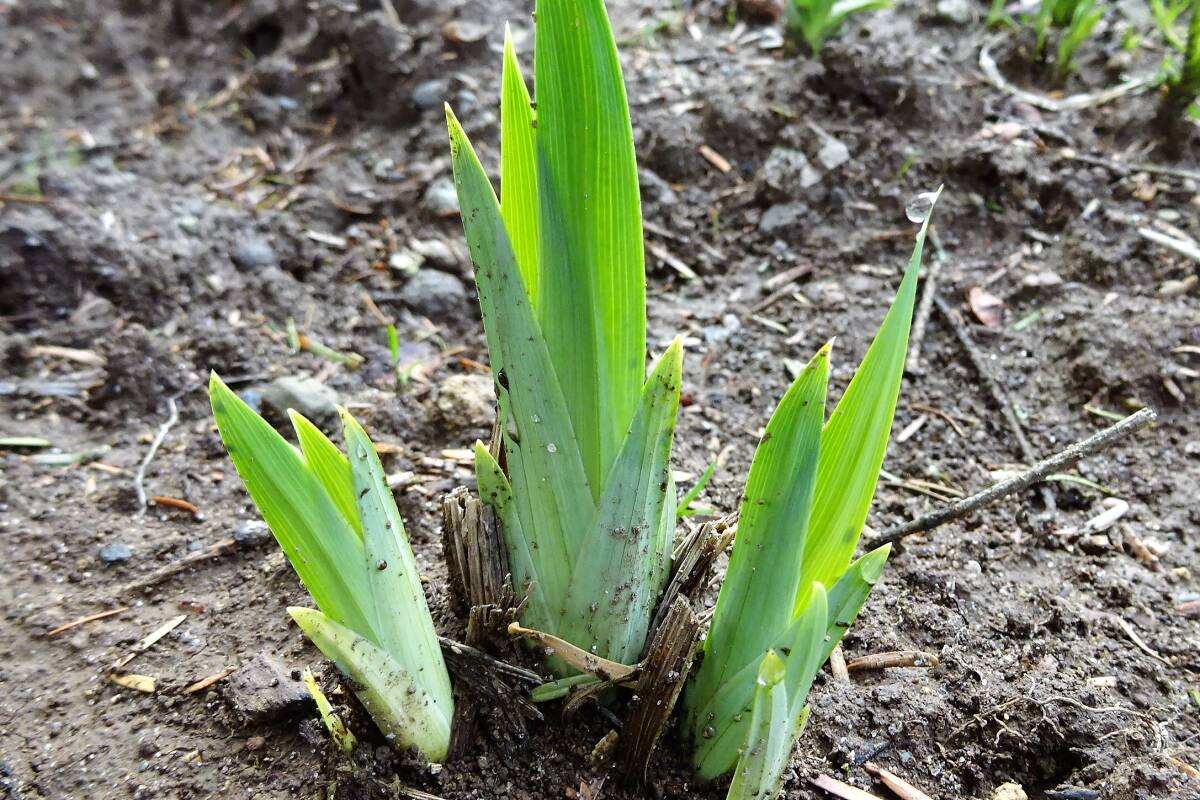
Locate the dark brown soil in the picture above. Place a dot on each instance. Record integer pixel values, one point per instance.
(187, 153)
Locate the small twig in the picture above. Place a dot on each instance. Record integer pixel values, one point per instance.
(900, 787)
(999, 396)
(1181, 246)
(218, 548)
(75, 623)
(149, 640)
(1073, 102)
(175, 502)
(140, 478)
(894, 658)
(204, 683)
(1037, 472)
(930, 279)
(839, 789)
(33, 199)
(1124, 168)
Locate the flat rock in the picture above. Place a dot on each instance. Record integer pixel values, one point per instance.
(264, 689)
(313, 399)
(436, 294)
(465, 401)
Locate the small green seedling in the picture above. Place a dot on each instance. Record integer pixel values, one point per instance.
(815, 21)
(1165, 14)
(336, 520)
(1184, 88)
(791, 591)
(1074, 19)
(338, 732)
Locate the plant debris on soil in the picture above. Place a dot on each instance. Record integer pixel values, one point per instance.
(260, 188)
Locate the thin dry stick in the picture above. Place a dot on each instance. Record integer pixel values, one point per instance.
(1184, 248)
(987, 64)
(925, 307)
(163, 430)
(1037, 472)
(999, 396)
(75, 623)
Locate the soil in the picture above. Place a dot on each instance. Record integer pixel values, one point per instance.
(206, 171)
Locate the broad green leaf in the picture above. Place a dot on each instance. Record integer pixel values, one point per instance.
(592, 281)
(329, 465)
(754, 607)
(321, 545)
(403, 624)
(405, 712)
(855, 440)
(518, 170)
(622, 565)
(550, 489)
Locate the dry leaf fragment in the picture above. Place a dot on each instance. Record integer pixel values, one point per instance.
(986, 307)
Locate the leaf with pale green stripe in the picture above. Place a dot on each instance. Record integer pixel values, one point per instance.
(771, 729)
(320, 543)
(592, 282)
(518, 167)
(550, 489)
(764, 568)
(715, 754)
(329, 465)
(404, 627)
(395, 697)
(615, 583)
(855, 440)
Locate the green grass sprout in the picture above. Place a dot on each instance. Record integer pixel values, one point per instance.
(337, 523)
(791, 591)
(815, 21)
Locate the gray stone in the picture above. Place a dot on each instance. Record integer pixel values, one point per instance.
(786, 170)
(311, 398)
(438, 253)
(437, 295)
(405, 262)
(188, 224)
(115, 553)
(465, 401)
(430, 94)
(655, 189)
(252, 253)
(441, 198)
(832, 153)
(251, 534)
(959, 12)
(264, 690)
(782, 219)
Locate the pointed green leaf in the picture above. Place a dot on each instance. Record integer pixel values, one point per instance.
(623, 563)
(403, 624)
(754, 607)
(495, 490)
(321, 545)
(855, 440)
(592, 284)
(550, 490)
(407, 715)
(772, 732)
(329, 465)
(518, 170)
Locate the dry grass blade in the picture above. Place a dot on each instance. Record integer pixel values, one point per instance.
(840, 789)
(900, 787)
(574, 656)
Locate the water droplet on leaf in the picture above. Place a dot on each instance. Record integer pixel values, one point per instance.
(919, 207)
(551, 448)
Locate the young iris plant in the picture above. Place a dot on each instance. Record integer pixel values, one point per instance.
(337, 523)
(791, 591)
(583, 490)
(816, 20)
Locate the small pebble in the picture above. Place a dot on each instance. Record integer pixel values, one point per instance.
(115, 553)
(252, 253)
